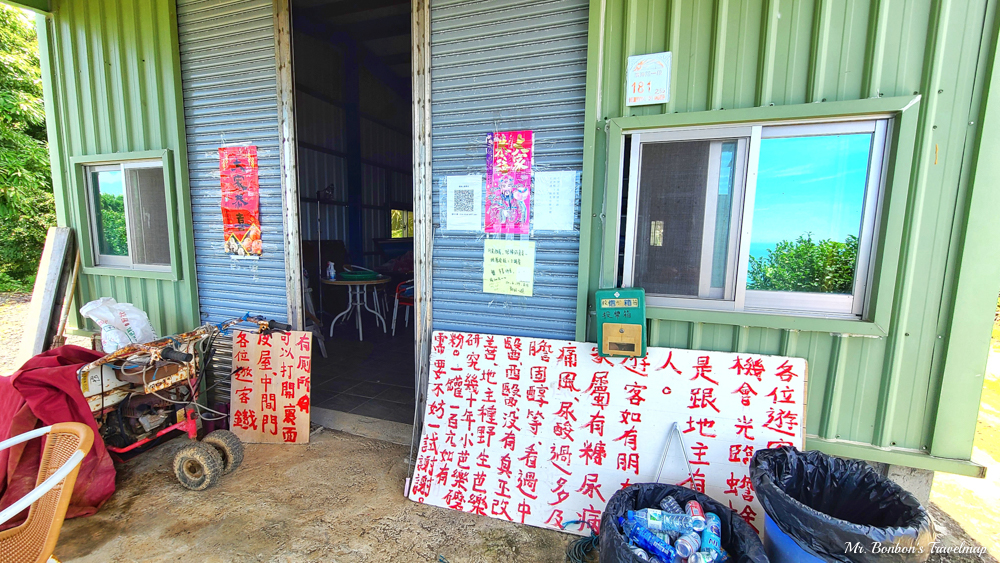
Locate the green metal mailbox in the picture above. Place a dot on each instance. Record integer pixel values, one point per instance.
(621, 321)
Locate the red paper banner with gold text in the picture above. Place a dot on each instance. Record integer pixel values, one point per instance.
(240, 200)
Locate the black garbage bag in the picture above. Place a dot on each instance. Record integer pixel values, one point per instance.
(826, 503)
(738, 538)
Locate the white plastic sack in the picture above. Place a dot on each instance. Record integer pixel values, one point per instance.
(121, 323)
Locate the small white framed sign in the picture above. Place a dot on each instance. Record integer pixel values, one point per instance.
(647, 79)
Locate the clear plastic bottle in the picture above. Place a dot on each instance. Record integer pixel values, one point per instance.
(658, 520)
(670, 505)
(669, 537)
(642, 537)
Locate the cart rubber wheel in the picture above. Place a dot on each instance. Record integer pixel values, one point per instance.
(230, 448)
(198, 466)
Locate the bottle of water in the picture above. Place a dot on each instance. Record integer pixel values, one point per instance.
(669, 537)
(658, 520)
(642, 537)
(670, 505)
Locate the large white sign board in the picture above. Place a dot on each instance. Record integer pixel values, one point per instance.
(542, 431)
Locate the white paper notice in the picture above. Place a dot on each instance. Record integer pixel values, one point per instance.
(647, 79)
(554, 200)
(465, 203)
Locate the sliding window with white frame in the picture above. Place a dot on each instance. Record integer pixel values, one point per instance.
(129, 215)
(777, 218)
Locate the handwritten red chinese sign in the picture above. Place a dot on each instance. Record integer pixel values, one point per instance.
(543, 432)
(270, 387)
(240, 200)
(509, 158)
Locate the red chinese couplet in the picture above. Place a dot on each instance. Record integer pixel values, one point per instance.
(509, 158)
(240, 200)
(270, 387)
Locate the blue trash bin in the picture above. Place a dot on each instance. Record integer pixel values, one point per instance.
(824, 508)
(782, 549)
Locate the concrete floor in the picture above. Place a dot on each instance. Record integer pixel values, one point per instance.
(338, 499)
(373, 378)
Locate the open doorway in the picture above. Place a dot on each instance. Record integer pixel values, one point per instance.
(351, 62)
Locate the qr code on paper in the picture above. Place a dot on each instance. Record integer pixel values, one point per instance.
(464, 201)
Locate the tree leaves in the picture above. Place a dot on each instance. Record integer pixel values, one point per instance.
(26, 204)
(826, 266)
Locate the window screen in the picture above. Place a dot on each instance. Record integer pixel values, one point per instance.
(671, 217)
(147, 208)
(683, 217)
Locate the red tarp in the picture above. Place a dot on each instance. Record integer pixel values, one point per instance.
(43, 392)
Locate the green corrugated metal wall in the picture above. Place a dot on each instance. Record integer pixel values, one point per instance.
(112, 85)
(728, 54)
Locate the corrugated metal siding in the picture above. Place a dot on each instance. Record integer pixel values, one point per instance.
(111, 86)
(504, 65)
(745, 53)
(230, 98)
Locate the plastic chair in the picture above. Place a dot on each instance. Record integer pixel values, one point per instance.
(404, 297)
(35, 539)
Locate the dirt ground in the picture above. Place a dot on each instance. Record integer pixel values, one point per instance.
(340, 498)
(13, 307)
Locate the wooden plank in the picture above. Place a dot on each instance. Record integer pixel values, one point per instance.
(423, 224)
(289, 164)
(54, 270)
(59, 339)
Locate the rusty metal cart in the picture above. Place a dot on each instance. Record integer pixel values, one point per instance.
(143, 392)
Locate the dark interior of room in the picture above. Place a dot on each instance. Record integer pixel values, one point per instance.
(351, 62)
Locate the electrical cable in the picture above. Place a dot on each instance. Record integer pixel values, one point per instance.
(197, 407)
(579, 549)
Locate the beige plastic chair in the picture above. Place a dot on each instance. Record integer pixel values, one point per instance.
(35, 539)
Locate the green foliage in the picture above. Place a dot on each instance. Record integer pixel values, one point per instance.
(824, 266)
(26, 205)
(21, 242)
(112, 227)
(402, 223)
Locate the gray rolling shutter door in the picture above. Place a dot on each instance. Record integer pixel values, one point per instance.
(228, 77)
(504, 65)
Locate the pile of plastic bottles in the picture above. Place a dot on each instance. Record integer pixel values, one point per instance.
(675, 535)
